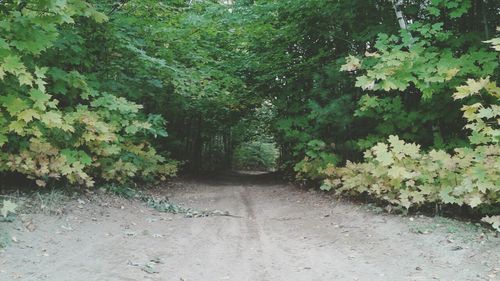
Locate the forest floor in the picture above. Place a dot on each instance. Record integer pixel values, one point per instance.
(278, 232)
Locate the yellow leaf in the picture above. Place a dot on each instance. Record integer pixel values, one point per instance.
(494, 221)
(52, 119)
(17, 127)
(352, 64)
(396, 172)
(473, 87)
(28, 115)
(451, 73)
(41, 183)
(25, 79)
(475, 200)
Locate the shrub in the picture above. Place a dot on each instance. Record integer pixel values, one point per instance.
(401, 174)
(53, 123)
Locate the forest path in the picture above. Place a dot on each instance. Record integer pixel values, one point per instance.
(279, 233)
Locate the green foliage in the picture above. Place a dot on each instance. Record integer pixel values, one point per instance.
(256, 156)
(56, 123)
(317, 159)
(404, 77)
(401, 174)
(345, 84)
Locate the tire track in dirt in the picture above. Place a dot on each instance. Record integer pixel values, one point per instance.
(284, 234)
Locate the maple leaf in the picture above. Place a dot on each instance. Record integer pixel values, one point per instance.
(25, 78)
(452, 72)
(494, 221)
(478, 138)
(439, 155)
(28, 115)
(382, 155)
(13, 65)
(40, 72)
(52, 119)
(40, 83)
(473, 87)
(470, 111)
(3, 139)
(368, 101)
(40, 98)
(475, 200)
(98, 16)
(4, 45)
(485, 186)
(404, 198)
(14, 104)
(365, 83)
(352, 64)
(417, 197)
(412, 150)
(398, 146)
(388, 85)
(495, 42)
(426, 189)
(397, 172)
(446, 197)
(111, 150)
(17, 127)
(486, 113)
(8, 207)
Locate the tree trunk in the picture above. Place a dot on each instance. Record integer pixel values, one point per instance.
(399, 14)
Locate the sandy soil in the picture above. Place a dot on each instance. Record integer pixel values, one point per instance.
(281, 233)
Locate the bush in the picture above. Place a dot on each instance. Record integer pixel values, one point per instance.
(316, 160)
(54, 123)
(401, 174)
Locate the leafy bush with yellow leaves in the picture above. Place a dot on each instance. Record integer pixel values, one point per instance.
(401, 174)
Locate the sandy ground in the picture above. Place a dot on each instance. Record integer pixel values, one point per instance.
(283, 233)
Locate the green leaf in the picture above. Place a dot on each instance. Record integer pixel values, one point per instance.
(13, 65)
(73, 156)
(39, 98)
(3, 44)
(13, 104)
(3, 139)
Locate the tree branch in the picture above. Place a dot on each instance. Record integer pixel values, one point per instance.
(117, 6)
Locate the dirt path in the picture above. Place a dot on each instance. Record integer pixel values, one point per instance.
(284, 234)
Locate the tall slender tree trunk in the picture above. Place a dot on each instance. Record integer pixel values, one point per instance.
(399, 14)
(484, 4)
